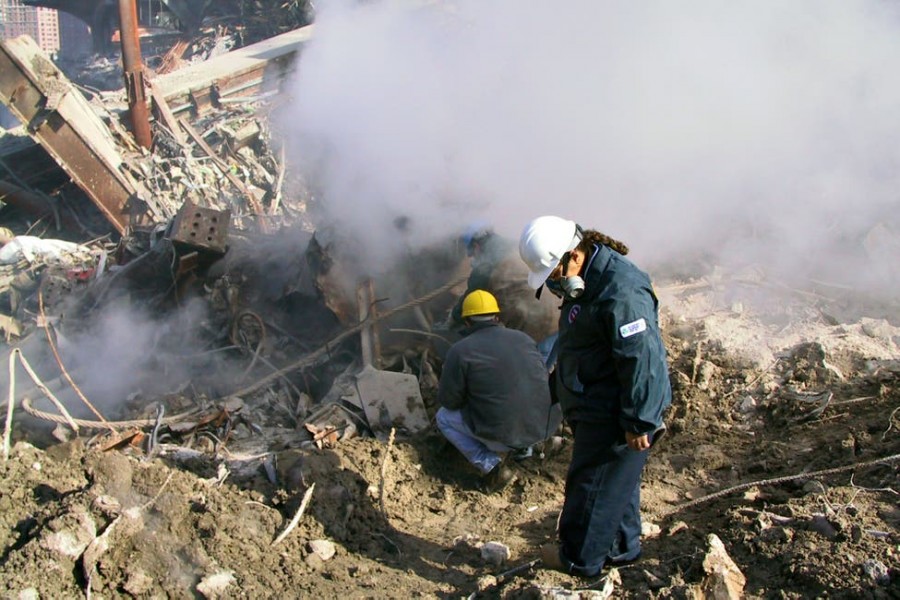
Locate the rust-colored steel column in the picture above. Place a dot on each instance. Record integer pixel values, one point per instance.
(134, 72)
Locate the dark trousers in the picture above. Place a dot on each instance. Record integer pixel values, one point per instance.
(600, 518)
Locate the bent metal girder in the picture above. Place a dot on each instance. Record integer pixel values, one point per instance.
(60, 119)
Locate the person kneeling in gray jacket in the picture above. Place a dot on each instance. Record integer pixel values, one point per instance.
(494, 394)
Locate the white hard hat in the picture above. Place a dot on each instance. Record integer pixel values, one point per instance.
(542, 245)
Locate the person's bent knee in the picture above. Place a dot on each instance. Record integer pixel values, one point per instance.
(446, 419)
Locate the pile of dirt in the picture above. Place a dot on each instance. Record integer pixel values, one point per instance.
(783, 442)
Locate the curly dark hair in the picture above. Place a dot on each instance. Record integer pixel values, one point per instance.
(590, 237)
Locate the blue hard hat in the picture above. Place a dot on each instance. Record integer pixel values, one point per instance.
(474, 232)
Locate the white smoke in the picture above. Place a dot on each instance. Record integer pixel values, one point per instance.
(751, 130)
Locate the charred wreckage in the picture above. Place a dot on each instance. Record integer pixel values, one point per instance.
(238, 321)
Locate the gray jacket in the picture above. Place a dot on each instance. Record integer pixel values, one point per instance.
(497, 378)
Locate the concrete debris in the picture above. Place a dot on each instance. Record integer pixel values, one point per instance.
(650, 530)
(215, 585)
(324, 549)
(821, 525)
(485, 583)
(69, 535)
(677, 527)
(495, 553)
(877, 571)
(724, 580)
(138, 583)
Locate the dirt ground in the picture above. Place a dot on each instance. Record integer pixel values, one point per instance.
(779, 390)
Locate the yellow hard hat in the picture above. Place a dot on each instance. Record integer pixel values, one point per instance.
(479, 302)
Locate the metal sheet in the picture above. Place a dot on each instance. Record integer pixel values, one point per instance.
(201, 228)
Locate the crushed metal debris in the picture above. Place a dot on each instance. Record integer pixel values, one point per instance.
(190, 222)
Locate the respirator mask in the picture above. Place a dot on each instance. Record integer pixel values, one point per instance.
(573, 286)
(566, 287)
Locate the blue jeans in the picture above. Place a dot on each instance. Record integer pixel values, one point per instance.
(601, 519)
(484, 454)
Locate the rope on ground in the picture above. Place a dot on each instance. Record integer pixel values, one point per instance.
(26, 406)
(11, 401)
(776, 480)
(41, 386)
(305, 361)
(49, 331)
(310, 358)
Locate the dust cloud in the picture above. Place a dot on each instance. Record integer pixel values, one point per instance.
(129, 352)
(753, 132)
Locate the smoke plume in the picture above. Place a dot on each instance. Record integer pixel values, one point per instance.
(746, 132)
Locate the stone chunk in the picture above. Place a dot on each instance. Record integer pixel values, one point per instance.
(724, 580)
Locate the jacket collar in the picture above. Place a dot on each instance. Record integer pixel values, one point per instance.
(597, 265)
(478, 326)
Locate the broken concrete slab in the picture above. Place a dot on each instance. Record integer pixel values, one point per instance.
(391, 400)
(260, 67)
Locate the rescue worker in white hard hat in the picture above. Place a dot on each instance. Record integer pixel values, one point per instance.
(612, 381)
(493, 393)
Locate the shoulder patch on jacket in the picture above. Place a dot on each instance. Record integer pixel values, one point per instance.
(630, 329)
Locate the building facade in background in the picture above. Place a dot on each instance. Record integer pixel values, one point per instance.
(42, 24)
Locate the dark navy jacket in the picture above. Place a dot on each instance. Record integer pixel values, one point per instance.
(612, 362)
(497, 378)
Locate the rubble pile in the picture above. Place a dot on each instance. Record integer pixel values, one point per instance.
(237, 23)
(225, 160)
(207, 30)
(194, 365)
(201, 242)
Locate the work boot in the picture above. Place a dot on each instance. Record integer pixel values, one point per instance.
(551, 560)
(623, 560)
(521, 454)
(497, 478)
